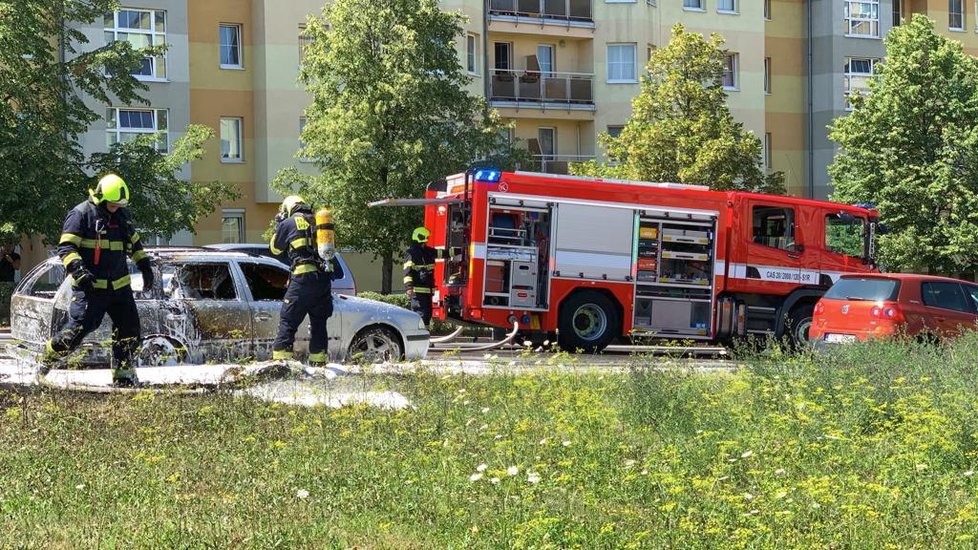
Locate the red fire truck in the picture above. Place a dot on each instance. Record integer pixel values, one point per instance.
(594, 259)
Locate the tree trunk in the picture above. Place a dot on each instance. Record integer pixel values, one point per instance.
(388, 267)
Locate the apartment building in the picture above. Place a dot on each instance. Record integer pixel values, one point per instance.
(562, 70)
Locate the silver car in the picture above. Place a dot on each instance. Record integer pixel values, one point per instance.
(343, 282)
(217, 306)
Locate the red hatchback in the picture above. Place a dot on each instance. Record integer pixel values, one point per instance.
(860, 307)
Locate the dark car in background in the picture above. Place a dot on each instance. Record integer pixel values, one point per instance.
(343, 282)
(863, 307)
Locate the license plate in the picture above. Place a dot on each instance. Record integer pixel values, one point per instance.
(840, 338)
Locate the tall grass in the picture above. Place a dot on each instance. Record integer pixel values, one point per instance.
(872, 446)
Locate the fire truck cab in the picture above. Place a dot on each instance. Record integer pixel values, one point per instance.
(595, 259)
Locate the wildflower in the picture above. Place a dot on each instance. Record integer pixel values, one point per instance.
(566, 443)
(475, 477)
(645, 472)
(80, 486)
(629, 463)
(747, 454)
(731, 460)
(485, 410)
(461, 390)
(779, 472)
(533, 478)
(543, 441)
(748, 496)
(494, 481)
(512, 470)
(481, 468)
(469, 421)
(498, 437)
(302, 494)
(969, 473)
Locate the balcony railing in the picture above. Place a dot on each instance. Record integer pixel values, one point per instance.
(570, 89)
(564, 10)
(553, 164)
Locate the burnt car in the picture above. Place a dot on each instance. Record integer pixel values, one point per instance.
(211, 306)
(343, 282)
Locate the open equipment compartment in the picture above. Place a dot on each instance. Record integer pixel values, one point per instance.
(674, 266)
(517, 250)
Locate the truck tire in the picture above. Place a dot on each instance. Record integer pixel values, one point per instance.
(589, 321)
(798, 325)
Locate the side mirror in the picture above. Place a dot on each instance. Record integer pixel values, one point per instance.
(796, 247)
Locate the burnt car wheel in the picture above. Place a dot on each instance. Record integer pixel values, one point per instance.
(159, 351)
(376, 345)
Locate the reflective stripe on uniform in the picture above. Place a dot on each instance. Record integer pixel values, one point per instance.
(424, 266)
(422, 290)
(304, 268)
(116, 284)
(298, 243)
(70, 238)
(139, 256)
(408, 264)
(271, 246)
(70, 257)
(106, 244)
(318, 357)
(280, 354)
(135, 238)
(408, 280)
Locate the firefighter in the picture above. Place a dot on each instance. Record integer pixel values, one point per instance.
(419, 273)
(310, 286)
(97, 237)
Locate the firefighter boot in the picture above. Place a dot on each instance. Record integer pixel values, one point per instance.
(49, 359)
(124, 375)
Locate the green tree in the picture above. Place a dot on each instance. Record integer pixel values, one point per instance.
(911, 147)
(681, 129)
(389, 114)
(46, 71)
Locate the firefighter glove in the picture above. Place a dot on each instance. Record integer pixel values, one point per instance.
(279, 218)
(84, 280)
(146, 268)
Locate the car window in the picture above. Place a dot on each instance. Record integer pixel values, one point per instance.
(210, 281)
(774, 226)
(43, 281)
(944, 296)
(844, 234)
(972, 294)
(868, 288)
(265, 281)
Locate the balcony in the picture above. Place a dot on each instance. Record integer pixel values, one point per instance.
(543, 90)
(553, 164)
(566, 13)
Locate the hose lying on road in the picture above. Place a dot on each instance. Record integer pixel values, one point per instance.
(448, 338)
(480, 347)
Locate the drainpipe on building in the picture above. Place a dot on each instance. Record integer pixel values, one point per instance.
(811, 103)
(485, 50)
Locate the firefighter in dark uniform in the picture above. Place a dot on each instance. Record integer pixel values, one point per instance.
(97, 237)
(419, 273)
(310, 286)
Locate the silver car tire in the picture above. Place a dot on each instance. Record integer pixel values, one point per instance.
(376, 345)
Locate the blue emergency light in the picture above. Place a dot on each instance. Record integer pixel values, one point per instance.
(488, 175)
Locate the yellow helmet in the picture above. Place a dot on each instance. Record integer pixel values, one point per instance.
(421, 234)
(290, 203)
(111, 188)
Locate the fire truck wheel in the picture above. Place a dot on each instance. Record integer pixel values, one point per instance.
(798, 324)
(588, 321)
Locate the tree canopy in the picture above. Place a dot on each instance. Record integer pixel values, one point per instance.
(46, 71)
(389, 114)
(681, 129)
(911, 147)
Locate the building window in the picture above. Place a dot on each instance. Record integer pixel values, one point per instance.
(304, 41)
(727, 6)
(124, 125)
(231, 47)
(231, 140)
(232, 225)
(141, 28)
(766, 151)
(693, 4)
(615, 131)
(621, 63)
(767, 9)
(863, 18)
(730, 79)
(472, 53)
(767, 75)
(955, 15)
(897, 13)
(857, 74)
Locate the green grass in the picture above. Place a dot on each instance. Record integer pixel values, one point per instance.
(872, 447)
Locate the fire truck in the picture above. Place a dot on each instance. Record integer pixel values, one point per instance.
(595, 259)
